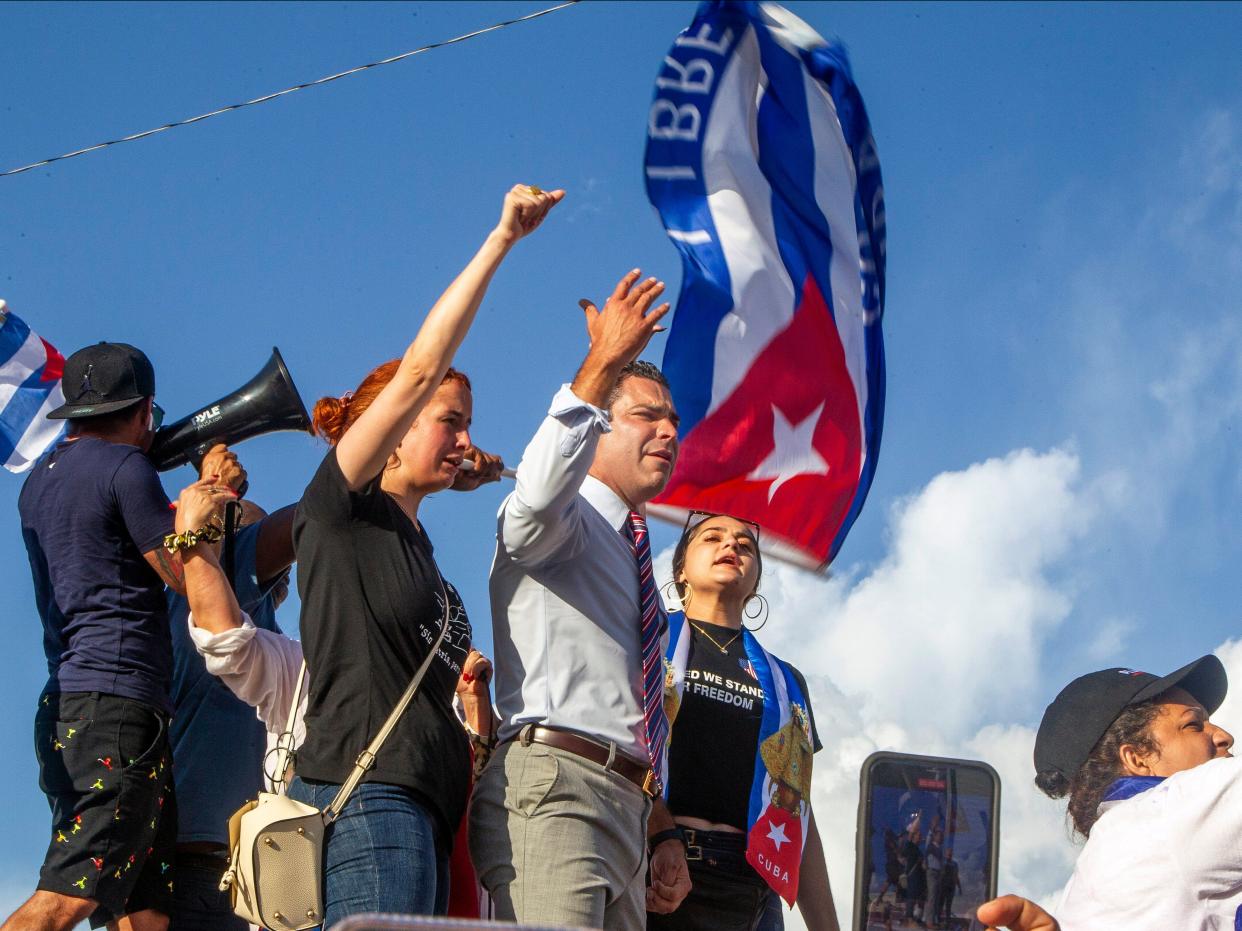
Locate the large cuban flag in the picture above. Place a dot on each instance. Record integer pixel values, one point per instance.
(761, 164)
(30, 371)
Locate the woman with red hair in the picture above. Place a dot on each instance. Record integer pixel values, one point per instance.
(374, 605)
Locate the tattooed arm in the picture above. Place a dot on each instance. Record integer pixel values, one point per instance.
(168, 567)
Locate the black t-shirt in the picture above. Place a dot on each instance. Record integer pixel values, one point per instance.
(715, 736)
(371, 608)
(89, 511)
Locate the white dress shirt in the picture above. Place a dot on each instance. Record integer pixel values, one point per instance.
(1167, 859)
(564, 591)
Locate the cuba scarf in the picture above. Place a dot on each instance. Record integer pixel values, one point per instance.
(780, 806)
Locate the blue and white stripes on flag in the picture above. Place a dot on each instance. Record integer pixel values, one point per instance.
(761, 163)
(30, 371)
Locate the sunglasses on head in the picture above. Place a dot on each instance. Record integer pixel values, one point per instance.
(694, 518)
(157, 416)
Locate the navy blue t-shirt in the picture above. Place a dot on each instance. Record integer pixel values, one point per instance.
(89, 510)
(217, 740)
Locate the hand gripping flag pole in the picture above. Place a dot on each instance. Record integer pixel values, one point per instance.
(761, 164)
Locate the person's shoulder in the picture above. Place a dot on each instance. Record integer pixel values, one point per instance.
(1203, 782)
(96, 450)
(113, 459)
(797, 675)
(92, 462)
(328, 494)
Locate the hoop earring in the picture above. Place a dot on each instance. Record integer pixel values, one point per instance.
(683, 601)
(762, 612)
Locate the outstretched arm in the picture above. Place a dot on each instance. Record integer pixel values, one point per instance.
(539, 519)
(618, 334)
(365, 448)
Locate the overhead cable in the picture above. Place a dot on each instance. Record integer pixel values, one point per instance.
(288, 90)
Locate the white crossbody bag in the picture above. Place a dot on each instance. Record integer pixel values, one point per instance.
(275, 874)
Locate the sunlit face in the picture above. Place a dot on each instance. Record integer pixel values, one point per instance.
(636, 458)
(432, 450)
(722, 556)
(1185, 736)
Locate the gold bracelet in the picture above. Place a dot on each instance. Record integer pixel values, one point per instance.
(208, 533)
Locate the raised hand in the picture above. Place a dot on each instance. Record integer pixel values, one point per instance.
(202, 503)
(525, 207)
(366, 446)
(623, 328)
(618, 334)
(222, 462)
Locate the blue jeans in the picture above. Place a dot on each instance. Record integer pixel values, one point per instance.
(380, 855)
(773, 915)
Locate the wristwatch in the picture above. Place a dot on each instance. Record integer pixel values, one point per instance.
(656, 839)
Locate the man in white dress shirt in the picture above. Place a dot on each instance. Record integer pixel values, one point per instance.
(560, 818)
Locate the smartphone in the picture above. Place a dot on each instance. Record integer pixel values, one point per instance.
(926, 843)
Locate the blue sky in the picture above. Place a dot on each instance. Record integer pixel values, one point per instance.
(1060, 474)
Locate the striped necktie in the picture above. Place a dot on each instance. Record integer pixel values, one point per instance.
(652, 616)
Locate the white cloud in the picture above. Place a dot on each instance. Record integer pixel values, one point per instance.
(1152, 364)
(1109, 640)
(944, 634)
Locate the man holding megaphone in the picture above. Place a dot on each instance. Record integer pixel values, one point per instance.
(94, 517)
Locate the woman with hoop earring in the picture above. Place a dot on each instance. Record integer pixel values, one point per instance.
(742, 737)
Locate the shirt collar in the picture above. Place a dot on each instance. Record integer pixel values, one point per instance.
(606, 501)
(1126, 788)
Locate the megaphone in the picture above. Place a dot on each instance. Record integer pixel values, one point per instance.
(267, 403)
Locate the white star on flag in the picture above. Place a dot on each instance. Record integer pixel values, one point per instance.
(777, 835)
(793, 452)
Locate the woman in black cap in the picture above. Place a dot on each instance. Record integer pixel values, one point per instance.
(1153, 788)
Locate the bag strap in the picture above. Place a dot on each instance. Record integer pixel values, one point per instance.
(284, 748)
(366, 759)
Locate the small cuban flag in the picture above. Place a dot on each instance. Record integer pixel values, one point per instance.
(30, 371)
(761, 163)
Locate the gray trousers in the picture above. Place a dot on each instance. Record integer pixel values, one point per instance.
(558, 840)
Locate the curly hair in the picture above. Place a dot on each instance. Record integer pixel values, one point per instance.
(1087, 786)
(333, 416)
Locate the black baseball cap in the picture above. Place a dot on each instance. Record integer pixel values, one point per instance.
(1078, 717)
(104, 378)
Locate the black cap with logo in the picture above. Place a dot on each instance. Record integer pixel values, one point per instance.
(104, 378)
(1078, 717)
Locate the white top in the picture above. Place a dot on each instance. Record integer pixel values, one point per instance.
(1168, 859)
(564, 591)
(260, 667)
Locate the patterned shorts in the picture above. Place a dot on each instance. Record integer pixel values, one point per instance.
(106, 769)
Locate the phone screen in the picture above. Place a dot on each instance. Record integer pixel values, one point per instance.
(927, 843)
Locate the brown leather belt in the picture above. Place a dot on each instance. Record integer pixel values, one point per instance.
(626, 767)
